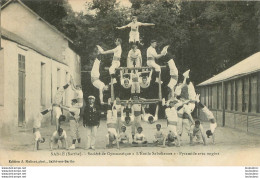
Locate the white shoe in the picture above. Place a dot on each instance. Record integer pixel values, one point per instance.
(164, 51)
(72, 147)
(197, 98)
(186, 74)
(114, 81)
(100, 49)
(158, 81)
(163, 102)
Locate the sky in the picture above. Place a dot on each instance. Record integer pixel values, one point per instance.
(78, 5)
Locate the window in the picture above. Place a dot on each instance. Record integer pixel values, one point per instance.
(43, 84)
(245, 94)
(258, 93)
(232, 108)
(214, 97)
(58, 78)
(238, 94)
(206, 96)
(210, 97)
(219, 96)
(66, 96)
(228, 97)
(21, 62)
(1, 78)
(253, 94)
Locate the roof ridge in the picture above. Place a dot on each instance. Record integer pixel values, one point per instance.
(246, 70)
(39, 18)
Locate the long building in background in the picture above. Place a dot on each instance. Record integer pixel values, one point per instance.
(35, 60)
(234, 95)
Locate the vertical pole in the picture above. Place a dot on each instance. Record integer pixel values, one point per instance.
(248, 101)
(51, 95)
(160, 87)
(258, 93)
(223, 104)
(112, 90)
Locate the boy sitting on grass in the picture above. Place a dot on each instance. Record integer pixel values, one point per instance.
(123, 137)
(112, 135)
(159, 136)
(139, 138)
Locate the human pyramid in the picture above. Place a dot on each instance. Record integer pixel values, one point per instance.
(134, 97)
(130, 106)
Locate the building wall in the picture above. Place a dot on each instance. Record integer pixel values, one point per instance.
(33, 104)
(74, 62)
(241, 103)
(26, 25)
(1, 77)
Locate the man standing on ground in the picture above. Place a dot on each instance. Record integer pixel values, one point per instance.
(91, 121)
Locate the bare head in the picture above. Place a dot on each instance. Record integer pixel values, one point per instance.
(150, 119)
(139, 130)
(127, 120)
(172, 103)
(123, 128)
(144, 79)
(134, 47)
(158, 127)
(126, 82)
(117, 100)
(197, 123)
(96, 52)
(134, 19)
(118, 41)
(153, 43)
(62, 118)
(135, 97)
(60, 131)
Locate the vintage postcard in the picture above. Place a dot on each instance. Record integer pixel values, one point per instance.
(129, 83)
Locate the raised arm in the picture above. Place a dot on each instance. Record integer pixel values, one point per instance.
(64, 107)
(125, 26)
(121, 77)
(150, 75)
(122, 111)
(164, 140)
(66, 144)
(203, 135)
(143, 111)
(108, 51)
(101, 96)
(156, 55)
(156, 111)
(132, 110)
(146, 24)
(140, 57)
(72, 84)
(117, 142)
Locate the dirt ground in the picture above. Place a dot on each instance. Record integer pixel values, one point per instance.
(229, 143)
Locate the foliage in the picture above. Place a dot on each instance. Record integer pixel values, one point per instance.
(206, 36)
